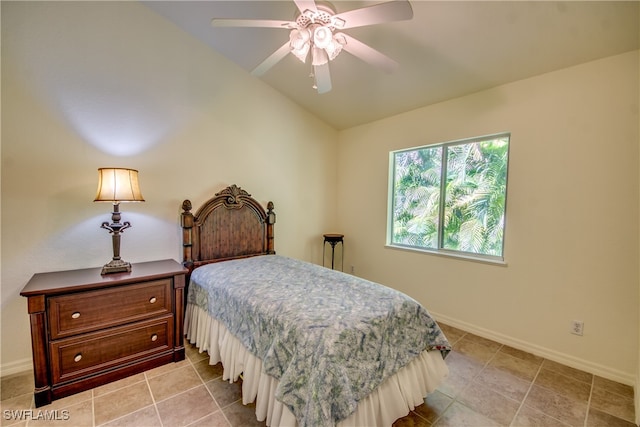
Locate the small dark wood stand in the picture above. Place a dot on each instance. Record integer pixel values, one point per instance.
(333, 240)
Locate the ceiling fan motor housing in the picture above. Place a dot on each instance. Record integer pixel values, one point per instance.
(323, 16)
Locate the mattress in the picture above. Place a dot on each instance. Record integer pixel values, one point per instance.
(325, 340)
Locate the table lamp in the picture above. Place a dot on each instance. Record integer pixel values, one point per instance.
(117, 185)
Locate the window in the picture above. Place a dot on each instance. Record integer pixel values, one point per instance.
(450, 197)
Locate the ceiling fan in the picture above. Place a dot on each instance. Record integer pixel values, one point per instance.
(316, 31)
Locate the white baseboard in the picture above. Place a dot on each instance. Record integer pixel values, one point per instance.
(16, 367)
(565, 359)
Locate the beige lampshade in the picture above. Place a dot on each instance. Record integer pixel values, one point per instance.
(118, 185)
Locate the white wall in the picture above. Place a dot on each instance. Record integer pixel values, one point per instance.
(572, 215)
(97, 84)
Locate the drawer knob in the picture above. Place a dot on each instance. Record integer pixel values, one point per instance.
(75, 315)
(154, 337)
(153, 300)
(78, 357)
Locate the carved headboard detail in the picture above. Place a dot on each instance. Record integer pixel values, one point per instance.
(230, 225)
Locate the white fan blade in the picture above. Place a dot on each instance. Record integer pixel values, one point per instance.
(272, 60)
(397, 10)
(368, 54)
(306, 5)
(323, 77)
(261, 23)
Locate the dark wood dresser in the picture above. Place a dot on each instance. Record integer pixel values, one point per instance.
(88, 329)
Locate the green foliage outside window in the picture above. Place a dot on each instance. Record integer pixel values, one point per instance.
(473, 186)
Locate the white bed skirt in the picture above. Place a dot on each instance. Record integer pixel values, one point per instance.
(393, 399)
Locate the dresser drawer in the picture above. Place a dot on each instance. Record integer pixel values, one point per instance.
(76, 357)
(93, 310)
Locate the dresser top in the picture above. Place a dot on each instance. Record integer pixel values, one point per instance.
(90, 278)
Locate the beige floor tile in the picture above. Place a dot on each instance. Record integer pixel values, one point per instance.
(463, 365)
(434, 406)
(492, 345)
(16, 411)
(568, 371)
(240, 415)
(452, 334)
(18, 403)
(474, 349)
(69, 401)
(557, 406)
(145, 417)
(566, 386)
(13, 422)
(126, 400)
(462, 370)
(600, 419)
(521, 368)
(224, 392)
(108, 388)
(454, 385)
(16, 385)
(78, 415)
(208, 372)
(613, 404)
(173, 382)
(187, 407)
(521, 355)
(490, 402)
(503, 382)
(217, 419)
(531, 417)
(458, 415)
(194, 354)
(613, 387)
(161, 370)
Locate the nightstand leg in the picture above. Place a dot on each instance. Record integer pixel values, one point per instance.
(178, 347)
(42, 391)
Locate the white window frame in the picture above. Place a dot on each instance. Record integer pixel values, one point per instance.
(440, 250)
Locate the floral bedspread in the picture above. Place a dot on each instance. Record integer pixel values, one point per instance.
(330, 338)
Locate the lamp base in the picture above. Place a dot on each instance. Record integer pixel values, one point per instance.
(116, 266)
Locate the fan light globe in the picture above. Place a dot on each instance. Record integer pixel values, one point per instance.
(299, 43)
(322, 37)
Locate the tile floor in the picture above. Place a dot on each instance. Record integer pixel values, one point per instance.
(489, 385)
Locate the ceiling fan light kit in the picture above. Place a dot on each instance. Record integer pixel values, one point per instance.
(314, 31)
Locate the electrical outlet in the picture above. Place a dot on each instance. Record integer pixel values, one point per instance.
(353, 270)
(577, 327)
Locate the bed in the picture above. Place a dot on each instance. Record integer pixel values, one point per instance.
(314, 346)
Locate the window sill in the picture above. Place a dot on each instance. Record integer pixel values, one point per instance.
(451, 254)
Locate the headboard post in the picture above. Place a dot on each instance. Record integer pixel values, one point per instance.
(187, 221)
(271, 219)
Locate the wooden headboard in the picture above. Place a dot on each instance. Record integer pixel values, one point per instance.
(230, 225)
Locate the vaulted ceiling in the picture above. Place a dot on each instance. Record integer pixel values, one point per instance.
(449, 48)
